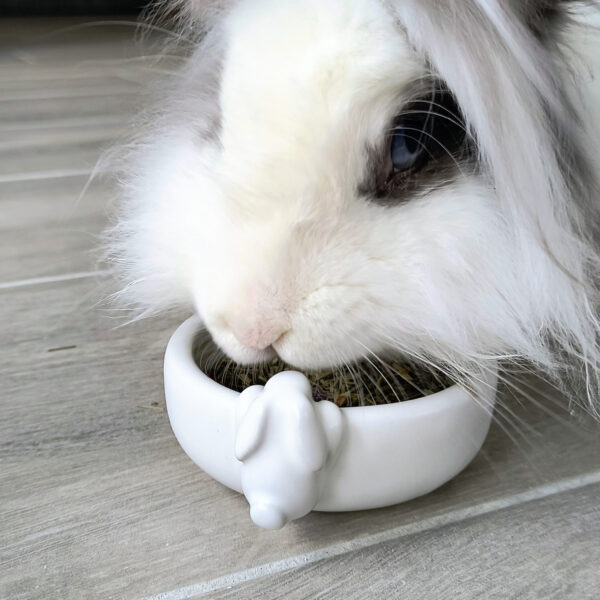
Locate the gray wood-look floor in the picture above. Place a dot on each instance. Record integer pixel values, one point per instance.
(97, 500)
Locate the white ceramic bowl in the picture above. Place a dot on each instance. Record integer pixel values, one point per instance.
(290, 455)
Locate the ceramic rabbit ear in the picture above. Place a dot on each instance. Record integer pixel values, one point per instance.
(251, 419)
(308, 444)
(333, 424)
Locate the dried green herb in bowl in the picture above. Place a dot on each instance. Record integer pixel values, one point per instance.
(364, 383)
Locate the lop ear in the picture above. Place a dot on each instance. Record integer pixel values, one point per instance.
(544, 16)
(252, 418)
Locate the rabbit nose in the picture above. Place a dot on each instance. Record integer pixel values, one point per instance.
(258, 335)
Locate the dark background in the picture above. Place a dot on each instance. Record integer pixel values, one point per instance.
(14, 8)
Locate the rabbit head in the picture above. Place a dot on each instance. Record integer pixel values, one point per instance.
(331, 180)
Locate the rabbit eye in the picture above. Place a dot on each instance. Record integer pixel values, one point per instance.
(426, 130)
(428, 133)
(406, 149)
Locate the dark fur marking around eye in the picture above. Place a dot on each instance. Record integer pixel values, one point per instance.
(435, 124)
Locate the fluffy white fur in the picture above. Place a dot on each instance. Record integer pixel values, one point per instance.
(239, 195)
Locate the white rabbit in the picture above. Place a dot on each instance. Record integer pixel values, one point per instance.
(328, 180)
(284, 440)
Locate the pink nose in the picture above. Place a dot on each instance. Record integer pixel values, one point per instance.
(257, 335)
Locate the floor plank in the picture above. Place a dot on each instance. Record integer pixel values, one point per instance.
(78, 50)
(18, 75)
(26, 111)
(19, 146)
(50, 41)
(19, 30)
(61, 88)
(50, 227)
(56, 150)
(98, 498)
(546, 549)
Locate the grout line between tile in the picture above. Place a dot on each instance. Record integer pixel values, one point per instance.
(51, 279)
(359, 543)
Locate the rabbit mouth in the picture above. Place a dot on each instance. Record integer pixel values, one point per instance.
(361, 383)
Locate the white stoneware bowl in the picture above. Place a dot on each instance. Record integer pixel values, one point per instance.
(290, 455)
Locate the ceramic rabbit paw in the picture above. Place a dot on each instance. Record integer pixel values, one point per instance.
(286, 442)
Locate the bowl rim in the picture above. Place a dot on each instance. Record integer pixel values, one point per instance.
(186, 334)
